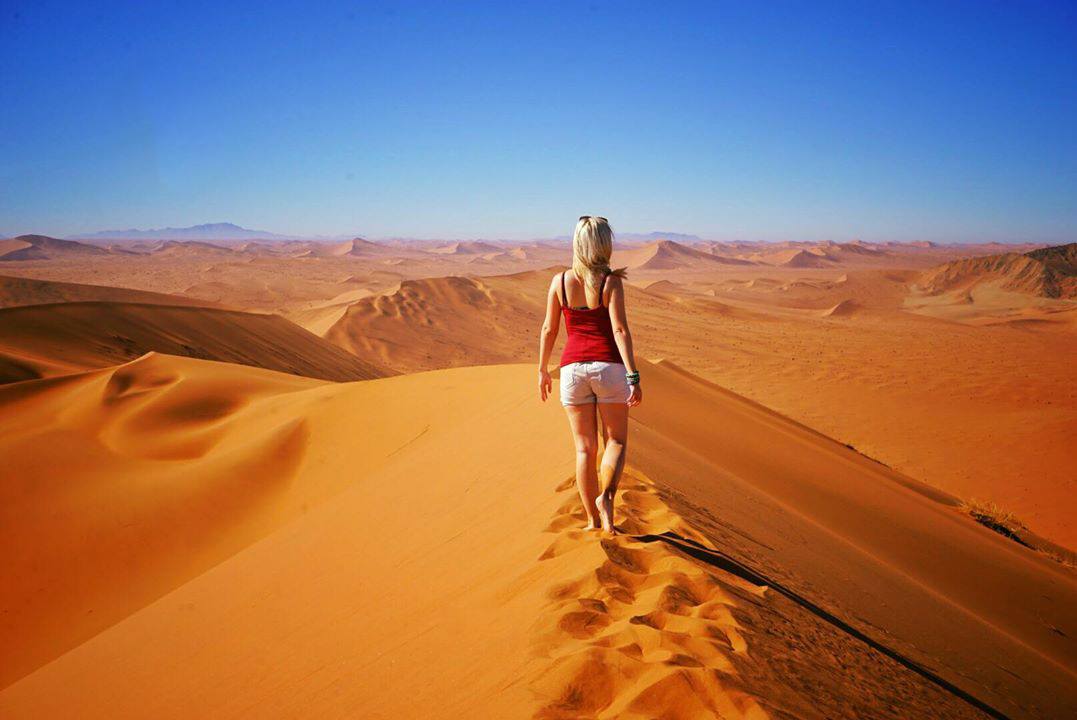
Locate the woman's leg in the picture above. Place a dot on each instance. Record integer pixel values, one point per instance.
(615, 430)
(582, 420)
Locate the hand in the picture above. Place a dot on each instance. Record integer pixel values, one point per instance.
(636, 396)
(545, 384)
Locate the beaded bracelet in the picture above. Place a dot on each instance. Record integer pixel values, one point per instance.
(632, 378)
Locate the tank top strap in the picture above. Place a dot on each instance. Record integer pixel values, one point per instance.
(564, 295)
(602, 290)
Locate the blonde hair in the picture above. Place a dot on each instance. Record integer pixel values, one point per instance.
(592, 246)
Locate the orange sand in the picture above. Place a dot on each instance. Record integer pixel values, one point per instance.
(206, 536)
(395, 548)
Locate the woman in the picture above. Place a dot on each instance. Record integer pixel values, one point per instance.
(597, 365)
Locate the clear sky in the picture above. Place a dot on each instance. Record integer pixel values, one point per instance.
(952, 121)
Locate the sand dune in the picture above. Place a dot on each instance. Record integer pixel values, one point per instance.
(800, 259)
(185, 248)
(42, 247)
(898, 386)
(1034, 287)
(827, 254)
(843, 309)
(468, 247)
(852, 252)
(45, 340)
(1048, 272)
(670, 255)
(666, 286)
(356, 247)
(16, 291)
(958, 595)
(320, 316)
(446, 322)
(194, 538)
(278, 277)
(405, 547)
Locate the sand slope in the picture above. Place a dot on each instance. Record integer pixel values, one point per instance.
(45, 340)
(42, 247)
(470, 247)
(837, 352)
(418, 559)
(16, 291)
(867, 542)
(356, 247)
(446, 322)
(670, 255)
(1047, 272)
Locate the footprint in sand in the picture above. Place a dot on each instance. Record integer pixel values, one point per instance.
(645, 632)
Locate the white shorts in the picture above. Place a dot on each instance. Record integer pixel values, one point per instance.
(586, 383)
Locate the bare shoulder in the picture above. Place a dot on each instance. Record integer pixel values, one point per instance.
(555, 287)
(614, 290)
(614, 283)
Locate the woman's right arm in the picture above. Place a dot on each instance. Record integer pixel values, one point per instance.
(547, 337)
(622, 335)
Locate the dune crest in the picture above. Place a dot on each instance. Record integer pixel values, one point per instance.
(42, 247)
(445, 322)
(43, 340)
(1048, 272)
(16, 291)
(671, 255)
(646, 631)
(845, 308)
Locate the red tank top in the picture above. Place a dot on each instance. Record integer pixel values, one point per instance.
(590, 331)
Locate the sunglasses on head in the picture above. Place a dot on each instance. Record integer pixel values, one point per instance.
(596, 217)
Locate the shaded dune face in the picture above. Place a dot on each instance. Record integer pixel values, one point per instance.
(446, 322)
(160, 467)
(277, 537)
(122, 471)
(670, 255)
(16, 291)
(43, 340)
(1049, 272)
(42, 247)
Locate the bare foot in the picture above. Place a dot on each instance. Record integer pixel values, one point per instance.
(604, 504)
(592, 524)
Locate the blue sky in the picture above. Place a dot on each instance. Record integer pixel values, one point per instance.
(806, 120)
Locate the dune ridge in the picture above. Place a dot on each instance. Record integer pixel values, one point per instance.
(897, 385)
(45, 340)
(17, 291)
(443, 322)
(1047, 272)
(671, 255)
(43, 247)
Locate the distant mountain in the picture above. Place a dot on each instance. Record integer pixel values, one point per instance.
(208, 231)
(1047, 272)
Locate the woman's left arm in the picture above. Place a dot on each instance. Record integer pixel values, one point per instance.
(622, 335)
